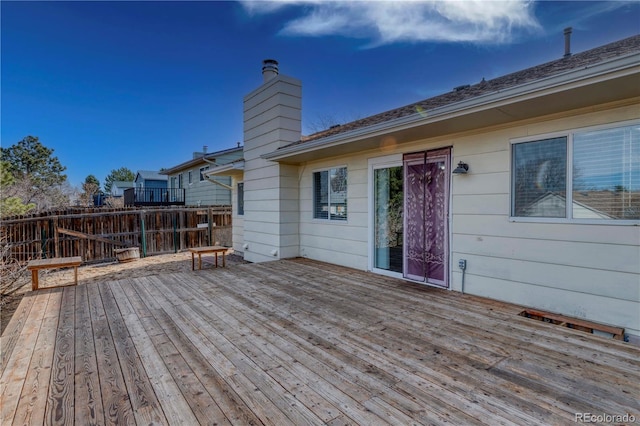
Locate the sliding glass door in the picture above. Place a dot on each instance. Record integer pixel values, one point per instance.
(387, 218)
(410, 216)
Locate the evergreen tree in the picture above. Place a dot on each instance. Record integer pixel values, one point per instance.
(36, 173)
(90, 187)
(122, 174)
(10, 204)
(30, 159)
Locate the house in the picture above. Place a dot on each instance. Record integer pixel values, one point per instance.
(118, 187)
(150, 189)
(199, 190)
(452, 191)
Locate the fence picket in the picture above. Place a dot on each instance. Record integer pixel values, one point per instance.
(166, 230)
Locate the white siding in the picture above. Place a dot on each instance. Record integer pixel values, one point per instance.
(585, 271)
(339, 242)
(205, 193)
(237, 221)
(580, 270)
(272, 119)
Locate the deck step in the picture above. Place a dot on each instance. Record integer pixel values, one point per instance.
(575, 323)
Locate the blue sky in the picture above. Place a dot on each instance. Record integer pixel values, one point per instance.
(144, 84)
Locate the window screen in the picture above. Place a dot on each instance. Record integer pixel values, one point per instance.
(241, 199)
(604, 167)
(606, 174)
(539, 180)
(321, 195)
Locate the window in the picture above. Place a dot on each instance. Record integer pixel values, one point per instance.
(330, 194)
(202, 170)
(190, 177)
(180, 180)
(540, 178)
(241, 199)
(590, 175)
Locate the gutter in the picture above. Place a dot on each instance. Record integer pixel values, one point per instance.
(622, 64)
(223, 169)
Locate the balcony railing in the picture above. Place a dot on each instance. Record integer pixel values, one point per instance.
(154, 197)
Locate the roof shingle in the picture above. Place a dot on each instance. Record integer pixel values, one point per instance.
(576, 61)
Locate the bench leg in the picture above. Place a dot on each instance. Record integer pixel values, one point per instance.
(199, 260)
(75, 274)
(223, 259)
(34, 279)
(193, 261)
(216, 256)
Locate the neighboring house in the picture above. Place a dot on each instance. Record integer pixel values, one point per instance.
(453, 191)
(118, 187)
(150, 188)
(200, 190)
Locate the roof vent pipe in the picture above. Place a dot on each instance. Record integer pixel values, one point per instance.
(204, 148)
(567, 42)
(269, 69)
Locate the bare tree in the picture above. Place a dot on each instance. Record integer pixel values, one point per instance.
(324, 121)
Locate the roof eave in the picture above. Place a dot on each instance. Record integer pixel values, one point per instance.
(199, 160)
(620, 66)
(230, 169)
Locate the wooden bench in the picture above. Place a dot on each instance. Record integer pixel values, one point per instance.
(208, 249)
(60, 262)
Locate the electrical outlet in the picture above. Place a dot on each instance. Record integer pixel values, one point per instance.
(462, 264)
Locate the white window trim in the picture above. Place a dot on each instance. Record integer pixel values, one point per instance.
(569, 176)
(313, 201)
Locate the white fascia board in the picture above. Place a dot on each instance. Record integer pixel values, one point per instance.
(622, 66)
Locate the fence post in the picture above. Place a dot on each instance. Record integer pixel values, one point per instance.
(143, 240)
(175, 234)
(56, 237)
(43, 243)
(210, 226)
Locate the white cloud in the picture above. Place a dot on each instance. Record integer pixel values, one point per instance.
(385, 22)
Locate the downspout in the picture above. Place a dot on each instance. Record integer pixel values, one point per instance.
(224, 185)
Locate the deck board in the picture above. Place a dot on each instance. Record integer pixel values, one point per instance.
(88, 397)
(299, 342)
(33, 400)
(60, 407)
(12, 332)
(144, 402)
(116, 403)
(18, 362)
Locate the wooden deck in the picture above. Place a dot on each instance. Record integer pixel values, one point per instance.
(301, 343)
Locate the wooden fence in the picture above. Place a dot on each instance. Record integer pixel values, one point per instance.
(93, 234)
